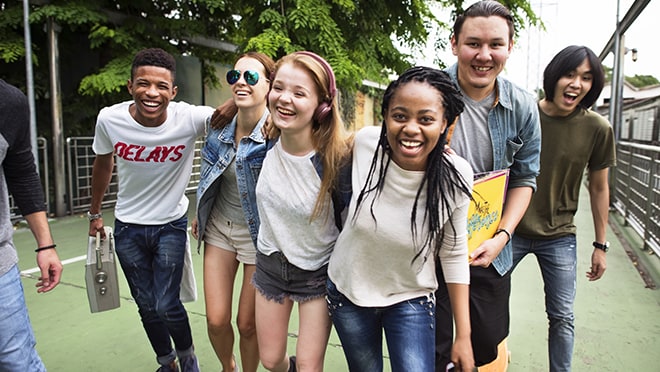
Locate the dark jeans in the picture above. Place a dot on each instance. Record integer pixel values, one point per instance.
(151, 257)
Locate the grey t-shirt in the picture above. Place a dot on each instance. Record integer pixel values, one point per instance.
(228, 200)
(471, 139)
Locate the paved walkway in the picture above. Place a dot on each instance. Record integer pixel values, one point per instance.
(617, 317)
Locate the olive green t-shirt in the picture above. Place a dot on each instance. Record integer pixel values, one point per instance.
(569, 144)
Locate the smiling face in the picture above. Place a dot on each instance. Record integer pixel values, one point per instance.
(246, 95)
(569, 91)
(293, 99)
(152, 89)
(414, 123)
(482, 48)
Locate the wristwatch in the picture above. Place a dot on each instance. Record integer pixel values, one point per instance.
(605, 246)
(94, 216)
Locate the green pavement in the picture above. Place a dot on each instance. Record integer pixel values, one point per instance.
(617, 317)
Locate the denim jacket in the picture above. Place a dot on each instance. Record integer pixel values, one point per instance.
(217, 154)
(515, 131)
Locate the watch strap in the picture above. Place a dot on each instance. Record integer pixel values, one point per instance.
(602, 246)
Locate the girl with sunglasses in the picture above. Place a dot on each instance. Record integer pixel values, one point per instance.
(295, 200)
(227, 218)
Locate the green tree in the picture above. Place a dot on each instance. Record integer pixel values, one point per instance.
(97, 40)
(361, 39)
(641, 81)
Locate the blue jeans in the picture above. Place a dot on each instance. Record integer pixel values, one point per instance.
(557, 259)
(17, 352)
(151, 257)
(409, 331)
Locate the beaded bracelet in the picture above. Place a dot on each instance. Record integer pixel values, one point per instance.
(46, 247)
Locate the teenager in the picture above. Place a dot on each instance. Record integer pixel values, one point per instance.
(408, 213)
(18, 176)
(294, 199)
(227, 217)
(574, 138)
(498, 129)
(153, 140)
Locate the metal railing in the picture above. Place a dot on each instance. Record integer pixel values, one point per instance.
(637, 190)
(636, 183)
(80, 160)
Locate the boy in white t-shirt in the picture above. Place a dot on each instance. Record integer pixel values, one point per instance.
(153, 141)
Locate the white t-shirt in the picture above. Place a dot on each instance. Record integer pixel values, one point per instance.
(153, 163)
(287, 190)
(373, 261)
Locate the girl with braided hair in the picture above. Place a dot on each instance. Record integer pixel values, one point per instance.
(408, 212)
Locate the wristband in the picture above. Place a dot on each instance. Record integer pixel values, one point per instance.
(508, 234)
(52, 246)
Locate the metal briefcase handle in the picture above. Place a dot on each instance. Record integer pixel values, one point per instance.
(100, 276)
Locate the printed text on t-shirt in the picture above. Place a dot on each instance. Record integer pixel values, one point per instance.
(140, 153)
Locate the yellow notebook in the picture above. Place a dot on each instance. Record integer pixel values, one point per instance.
(485, 210)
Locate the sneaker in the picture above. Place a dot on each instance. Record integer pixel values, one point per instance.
(292, 363)
(189, 363)
(172, 367)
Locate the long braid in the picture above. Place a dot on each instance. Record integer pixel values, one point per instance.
(441, 178)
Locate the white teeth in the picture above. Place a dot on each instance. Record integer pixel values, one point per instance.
(150, 104)
(285, 112)
(482, 68)
(411, 143)
(571, 94)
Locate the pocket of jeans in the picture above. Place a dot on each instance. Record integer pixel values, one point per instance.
(120, 228)
(333, 297)
(181, 224)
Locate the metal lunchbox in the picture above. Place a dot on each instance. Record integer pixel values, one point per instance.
(101, 273)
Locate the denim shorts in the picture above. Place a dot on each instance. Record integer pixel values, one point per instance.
(277, 278)
(230, 236)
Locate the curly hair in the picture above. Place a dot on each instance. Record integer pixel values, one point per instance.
(154, 57)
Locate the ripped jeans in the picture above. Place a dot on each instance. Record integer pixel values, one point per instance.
(151, 257)
(408, 326)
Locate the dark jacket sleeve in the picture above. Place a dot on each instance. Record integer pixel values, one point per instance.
(19, 168)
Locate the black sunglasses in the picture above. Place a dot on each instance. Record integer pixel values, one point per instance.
(251, 77)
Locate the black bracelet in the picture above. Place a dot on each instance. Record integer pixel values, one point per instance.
(508, 234)
(46, 247)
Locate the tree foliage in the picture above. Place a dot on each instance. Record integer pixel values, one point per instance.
(641, 81)
(362, 39)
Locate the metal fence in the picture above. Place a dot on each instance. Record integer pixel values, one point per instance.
(80, 160)
(637, 190)
(636, 183)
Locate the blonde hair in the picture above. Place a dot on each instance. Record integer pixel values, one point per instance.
(329, 138)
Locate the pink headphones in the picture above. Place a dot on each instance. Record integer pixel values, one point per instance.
(325, 107)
